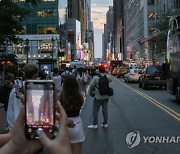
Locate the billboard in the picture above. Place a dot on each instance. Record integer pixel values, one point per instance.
(78, 39)
(86, 51)
(46, 68)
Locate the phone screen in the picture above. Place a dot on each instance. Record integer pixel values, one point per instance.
(39, 98)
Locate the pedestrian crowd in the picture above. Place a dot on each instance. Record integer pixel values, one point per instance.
(70, 90)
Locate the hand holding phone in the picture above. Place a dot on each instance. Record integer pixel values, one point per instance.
(40, 108)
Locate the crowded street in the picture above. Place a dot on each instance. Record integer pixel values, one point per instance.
(89, 77)
(153, 113)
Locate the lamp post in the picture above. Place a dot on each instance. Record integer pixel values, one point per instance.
(52, 52)
(52, 40)
(27, 49)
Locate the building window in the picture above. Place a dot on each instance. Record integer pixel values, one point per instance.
(46, 13)
(151, 15)
(45, 46)
(151, 30)
(18, 1)
(150, 2)
(46, 30)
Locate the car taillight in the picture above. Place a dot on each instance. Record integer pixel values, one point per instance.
(131, 74)
(146, 75)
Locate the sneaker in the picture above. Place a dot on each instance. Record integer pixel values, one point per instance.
(93, 126)
(104, 125)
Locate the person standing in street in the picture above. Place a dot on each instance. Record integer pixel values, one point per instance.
(72, 101)
(57, 80)
(5, 92)
(14, 102)
(99, 100)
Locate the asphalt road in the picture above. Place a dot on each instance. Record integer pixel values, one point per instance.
(151, 114)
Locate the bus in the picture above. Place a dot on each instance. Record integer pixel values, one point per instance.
(172, 65)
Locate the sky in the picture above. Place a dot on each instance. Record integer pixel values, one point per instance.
(99, 9)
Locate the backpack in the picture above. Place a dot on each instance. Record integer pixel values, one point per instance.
(103, 85)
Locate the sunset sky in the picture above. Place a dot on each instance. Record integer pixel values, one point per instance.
(99, 9)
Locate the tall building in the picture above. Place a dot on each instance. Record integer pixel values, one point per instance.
(135, 16)
(140, 18)
(91, 40)
(118, 35)
(40, 38)
(107, 53)
(80, 11)
(104, 43)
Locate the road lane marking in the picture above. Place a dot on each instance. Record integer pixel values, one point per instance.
(152, 100)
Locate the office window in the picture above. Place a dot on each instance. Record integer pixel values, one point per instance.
(45, 46)
(18, 0)
(31, 28)
(46, 13)
(151, 15)
(150, 2)
(46, 30)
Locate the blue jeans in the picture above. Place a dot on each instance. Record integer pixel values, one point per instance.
(96, 106)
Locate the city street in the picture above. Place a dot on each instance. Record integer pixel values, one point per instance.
(152, 113)
(63, 44)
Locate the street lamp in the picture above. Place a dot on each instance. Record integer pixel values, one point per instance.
(27, 48)
(52, 40)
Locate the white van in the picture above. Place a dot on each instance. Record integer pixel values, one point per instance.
(78, 64)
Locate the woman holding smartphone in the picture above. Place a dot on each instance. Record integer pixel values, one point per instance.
(72, 101)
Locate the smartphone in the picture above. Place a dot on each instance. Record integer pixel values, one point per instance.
(39, 108)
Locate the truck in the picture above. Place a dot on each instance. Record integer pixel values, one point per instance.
(171, 66)
(77, 64)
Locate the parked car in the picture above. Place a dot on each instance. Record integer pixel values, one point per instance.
(121, 72)
(132, 75)
(152, 76)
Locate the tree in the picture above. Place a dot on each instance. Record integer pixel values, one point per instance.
(11, 19)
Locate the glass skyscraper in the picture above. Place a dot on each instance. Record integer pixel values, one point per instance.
(41, 28)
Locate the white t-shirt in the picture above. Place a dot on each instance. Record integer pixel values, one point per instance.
(57, 83)
(14, 107)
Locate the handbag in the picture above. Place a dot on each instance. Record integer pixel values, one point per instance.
(111, 92)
